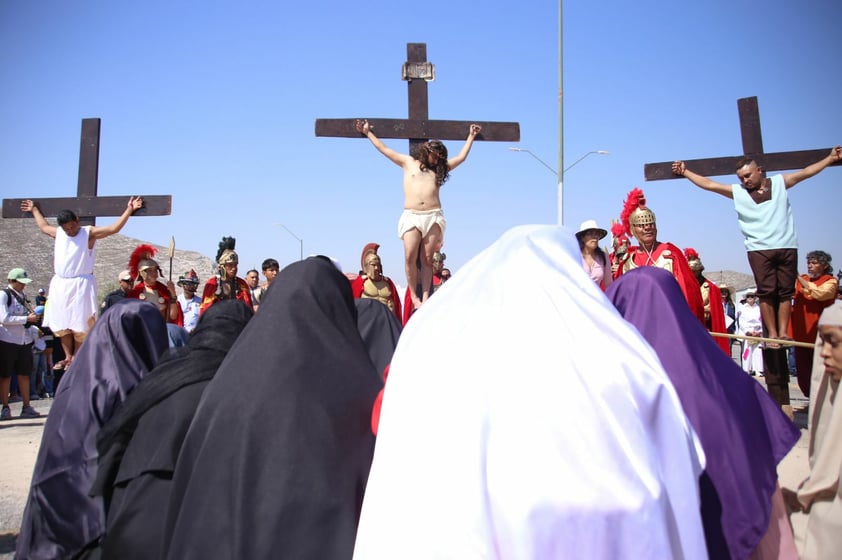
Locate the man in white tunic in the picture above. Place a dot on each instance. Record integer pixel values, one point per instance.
(72, 307)
(549, 429)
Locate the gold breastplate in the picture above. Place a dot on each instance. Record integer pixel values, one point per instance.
(379, 291)
(663, 260)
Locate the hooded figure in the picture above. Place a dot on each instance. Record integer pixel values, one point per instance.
(279, 471)
(743, 431)
(380, 331)
(546, 429)
(820, 495)
(139, 446)
(60, 517)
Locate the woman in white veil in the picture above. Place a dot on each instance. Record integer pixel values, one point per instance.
(546, 427)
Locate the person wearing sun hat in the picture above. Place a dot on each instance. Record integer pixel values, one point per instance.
(15, 353)
(594, 260)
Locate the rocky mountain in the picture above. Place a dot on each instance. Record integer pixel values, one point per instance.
(736, 281)
(22, 245)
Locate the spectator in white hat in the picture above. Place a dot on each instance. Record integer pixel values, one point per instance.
(594, 260)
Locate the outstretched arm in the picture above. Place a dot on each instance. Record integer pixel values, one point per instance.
(135, 203)
(43, 225)
(453, 162)
(365, 129)
(679, 168)
(792, 179)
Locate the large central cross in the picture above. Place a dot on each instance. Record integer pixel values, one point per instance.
(87, 205)
(418, 128)
(752, 147)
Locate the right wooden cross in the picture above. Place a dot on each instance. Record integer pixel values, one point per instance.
(752, 147)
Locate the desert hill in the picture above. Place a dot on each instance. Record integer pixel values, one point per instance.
(22, 245)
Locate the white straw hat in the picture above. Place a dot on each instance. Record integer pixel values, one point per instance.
(590, 225)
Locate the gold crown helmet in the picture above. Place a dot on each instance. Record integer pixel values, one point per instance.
(642, 216)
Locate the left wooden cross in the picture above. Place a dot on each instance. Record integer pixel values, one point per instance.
(87, 205)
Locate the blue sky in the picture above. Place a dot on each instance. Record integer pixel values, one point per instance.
(215, 102)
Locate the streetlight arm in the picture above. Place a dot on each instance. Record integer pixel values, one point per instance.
(542, 162)
(600, 152)
(300, 241)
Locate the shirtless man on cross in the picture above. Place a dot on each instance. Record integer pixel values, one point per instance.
(422, 223)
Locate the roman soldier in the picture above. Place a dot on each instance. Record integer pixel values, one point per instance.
(372, 284)
(225, 284)
(145, 270)
(639, 221)
(711, 299)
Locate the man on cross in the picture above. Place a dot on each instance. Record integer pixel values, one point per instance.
(765, 219)
(422, 223)
(72, 306)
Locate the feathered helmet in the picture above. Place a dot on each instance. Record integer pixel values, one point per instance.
(226, 254)
(367, 250)
(141, 260)
(635, 212)
(694, 260)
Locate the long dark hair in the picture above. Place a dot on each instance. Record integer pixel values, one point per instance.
(434, 147)
(599, 252)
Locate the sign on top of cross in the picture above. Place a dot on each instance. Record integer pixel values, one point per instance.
(87, 205)
(418, 128)
(752, 147)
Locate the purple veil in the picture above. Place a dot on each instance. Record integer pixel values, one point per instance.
(743, 431)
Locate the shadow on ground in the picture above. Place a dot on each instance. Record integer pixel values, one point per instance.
(7, 542)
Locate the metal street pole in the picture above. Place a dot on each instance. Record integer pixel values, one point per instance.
(560, 167)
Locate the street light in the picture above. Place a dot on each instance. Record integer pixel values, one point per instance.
(561, 175)
(300, 241)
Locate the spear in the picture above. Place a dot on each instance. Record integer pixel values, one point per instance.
(171, 253)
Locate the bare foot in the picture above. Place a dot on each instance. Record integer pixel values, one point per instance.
(417, 303)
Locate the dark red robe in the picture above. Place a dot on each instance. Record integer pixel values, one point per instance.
(209, 294)
(804, 326)
(717, 317)
(164, 293)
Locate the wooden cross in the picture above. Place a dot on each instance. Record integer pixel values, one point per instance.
(418, 128)
(752, 147)
(87, 205)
